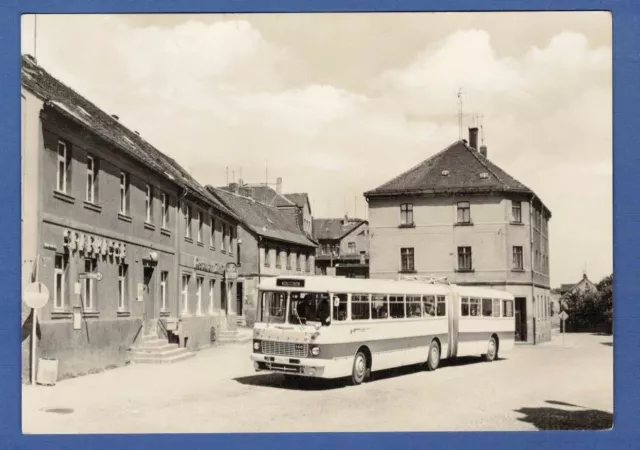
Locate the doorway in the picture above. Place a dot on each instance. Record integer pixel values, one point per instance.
(239, 298)
(521, 319)
(149, 299)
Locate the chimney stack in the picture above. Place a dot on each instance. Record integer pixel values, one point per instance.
(483, 150)
(473, 138)
(233, 187)
(279, 185)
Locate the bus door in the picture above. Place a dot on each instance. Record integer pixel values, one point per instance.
(453, 311)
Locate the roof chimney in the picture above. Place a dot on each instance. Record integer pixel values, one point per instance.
(279, 185)
(233, 187)
(483, 150)
(473, 138)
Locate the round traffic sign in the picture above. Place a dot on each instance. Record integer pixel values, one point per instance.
(99, 276)
(36, 295)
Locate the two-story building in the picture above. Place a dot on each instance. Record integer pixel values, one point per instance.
(101, 229)
(270, 243)
(343, 247)
(458, 215)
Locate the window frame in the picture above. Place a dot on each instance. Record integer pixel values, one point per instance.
(123, 270)
(462, 254)
(466, 212)
(124, 193)
(406, 252)
(187, 221)
(148, 205)
(62, 283)
(212, 287)
(200, 225)
(516, 205)
(406, 213)
(62, 166)
(92, 176)
(164, 282)
(517, 257)
(184, 292)
(165, 211)
(88, 287)
(199, 283)
(212, 232)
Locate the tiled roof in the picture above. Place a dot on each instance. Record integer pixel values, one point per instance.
(456, 169)
(263, 219)
(300, 199)
(71, 104)
(334, 228)
(269, 196)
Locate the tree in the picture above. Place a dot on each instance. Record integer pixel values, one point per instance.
(591, 311)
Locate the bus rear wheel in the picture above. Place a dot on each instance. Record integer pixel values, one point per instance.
(359, 368)
(434, 356)
(492, 350)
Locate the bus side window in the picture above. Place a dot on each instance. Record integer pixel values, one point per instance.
(359, 307)
(379, 307)
(464, 306)
(429, 305)
(396, 307)
(496, 307)
(507, 310)
(474, 307)
(442, 306)
(487, 307)
(340, 311)
(414, 309)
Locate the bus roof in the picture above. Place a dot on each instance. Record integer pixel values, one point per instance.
(324, 283)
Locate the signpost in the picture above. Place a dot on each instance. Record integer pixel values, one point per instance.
(36, 295)
(563, 317)
(90, 276)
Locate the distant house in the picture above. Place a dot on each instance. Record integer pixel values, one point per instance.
(343, 247)
(583, 286)
(270, 243)
(460, 216)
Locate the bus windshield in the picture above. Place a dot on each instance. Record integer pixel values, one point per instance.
(304, 307)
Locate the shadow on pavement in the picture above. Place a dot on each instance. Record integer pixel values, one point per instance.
(608, 344)
(318, 384)
(547, 418)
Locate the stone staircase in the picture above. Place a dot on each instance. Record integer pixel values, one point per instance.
(153, 350)
(234, 337)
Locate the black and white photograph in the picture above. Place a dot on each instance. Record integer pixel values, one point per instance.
(318, 222)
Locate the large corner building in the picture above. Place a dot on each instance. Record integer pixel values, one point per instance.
(458, 215)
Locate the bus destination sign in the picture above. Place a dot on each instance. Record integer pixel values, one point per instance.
(289, 283)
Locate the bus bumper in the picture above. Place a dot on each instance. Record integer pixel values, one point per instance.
(306, 367)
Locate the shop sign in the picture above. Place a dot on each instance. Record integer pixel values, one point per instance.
(93, 246)
(206, 267)
(231, 271)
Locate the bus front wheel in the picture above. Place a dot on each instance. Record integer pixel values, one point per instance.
(434, 356)
(359, 368)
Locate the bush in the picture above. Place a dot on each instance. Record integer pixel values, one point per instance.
(591, 311)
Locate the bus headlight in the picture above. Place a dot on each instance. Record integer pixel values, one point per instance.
(256, 346)
(315, 350)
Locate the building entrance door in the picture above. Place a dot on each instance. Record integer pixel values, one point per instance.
(239, 298)
(224, 295)
(521, 319)
(150, 323)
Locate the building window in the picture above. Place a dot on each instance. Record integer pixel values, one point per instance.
(200, 220)
(124, 193)
(406, 214)
(59, 281)
(223, 244)
(464, 212)
(187, 221)
(238, 253)
(406, 257)
(464, 258)
(516, 211)
(212, 233)
(185, 293)
(164, 279)
(279, 256)
(518, 260)
(307, 263)
(289, 260)
(299, 257)
(212, 285)
(148, 205)
(267, 256)
(88, 291)
(351, 248)
(199, 282)
(165, 211)
(537, 260)
(92, 175)
(63, 165)
(122, 286)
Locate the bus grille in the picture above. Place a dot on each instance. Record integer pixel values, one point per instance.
(285, 348)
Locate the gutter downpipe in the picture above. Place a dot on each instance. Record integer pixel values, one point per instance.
(533, 296)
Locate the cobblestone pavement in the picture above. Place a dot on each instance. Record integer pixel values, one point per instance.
(554, 385)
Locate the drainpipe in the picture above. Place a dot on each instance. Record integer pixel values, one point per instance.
(533, 296)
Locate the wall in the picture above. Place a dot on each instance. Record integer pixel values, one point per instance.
(437, 236)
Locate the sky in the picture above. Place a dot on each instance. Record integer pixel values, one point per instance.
(338, 104)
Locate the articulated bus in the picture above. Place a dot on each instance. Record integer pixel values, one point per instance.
(334, 327)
